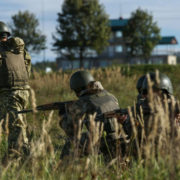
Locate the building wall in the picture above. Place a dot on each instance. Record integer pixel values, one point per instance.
(116, 49)
(172, 60)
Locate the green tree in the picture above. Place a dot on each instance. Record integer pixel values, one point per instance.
(25, 25)
(141, 34)
(82, 29)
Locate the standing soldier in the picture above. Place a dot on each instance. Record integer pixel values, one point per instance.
(92, 98)
(15, 65)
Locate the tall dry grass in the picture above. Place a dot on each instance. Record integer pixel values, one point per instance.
(158, 151)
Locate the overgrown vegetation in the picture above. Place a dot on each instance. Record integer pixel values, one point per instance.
(48, 138)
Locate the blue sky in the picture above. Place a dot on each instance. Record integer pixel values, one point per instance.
(166, 13)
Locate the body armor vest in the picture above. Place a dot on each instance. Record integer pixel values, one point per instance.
(100, 103)
(12, 70)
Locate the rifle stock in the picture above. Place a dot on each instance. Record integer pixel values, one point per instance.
(120, 114)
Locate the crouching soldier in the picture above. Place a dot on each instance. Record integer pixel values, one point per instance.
(160, 111)
(93, 99)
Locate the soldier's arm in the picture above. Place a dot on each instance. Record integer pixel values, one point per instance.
(70, 121)
(27, 59)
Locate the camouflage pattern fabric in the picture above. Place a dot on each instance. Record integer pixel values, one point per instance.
(171, 111)
(18, 46)
(77, 115)
(27, 60)
(15, 99)
(10, 102)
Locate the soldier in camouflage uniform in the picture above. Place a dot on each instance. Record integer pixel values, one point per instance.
(92, 98)
(15, 65)
(140, 100)
(162, 91)
(160, 112)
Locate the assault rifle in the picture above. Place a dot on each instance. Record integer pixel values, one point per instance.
(118, 113)
(47, 107)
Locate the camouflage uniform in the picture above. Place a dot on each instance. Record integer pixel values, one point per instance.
(94, 100)
(15, 98)
(160, 112)
(169, 106)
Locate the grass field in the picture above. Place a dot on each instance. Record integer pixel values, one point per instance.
(48, 138)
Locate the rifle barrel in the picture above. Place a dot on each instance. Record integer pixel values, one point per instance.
(24, 111)
(47, 107)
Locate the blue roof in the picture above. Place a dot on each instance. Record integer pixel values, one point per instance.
(168, 40)
(118, 23)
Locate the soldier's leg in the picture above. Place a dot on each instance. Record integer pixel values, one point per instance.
(80, 149)
(4, 135)
(17, 140)
(65, 150)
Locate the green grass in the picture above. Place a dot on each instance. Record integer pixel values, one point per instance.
(48, 138)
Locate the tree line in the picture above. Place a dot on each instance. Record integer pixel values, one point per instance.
(83, 28)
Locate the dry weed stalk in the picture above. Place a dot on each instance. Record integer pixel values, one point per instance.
(7, 126)
(135, 133)
(1, 130)
(33, 100)
(44, 144)
(161, 132)
(95, 134)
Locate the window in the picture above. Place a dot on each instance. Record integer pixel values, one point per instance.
(111, 51)
(119, 49)
(128, 49)
(118, 34)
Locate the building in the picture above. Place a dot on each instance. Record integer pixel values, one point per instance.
(116, 52)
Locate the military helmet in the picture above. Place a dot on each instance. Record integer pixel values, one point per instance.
(140, 83)
(4, 28)
(80, 79)
(163, 84)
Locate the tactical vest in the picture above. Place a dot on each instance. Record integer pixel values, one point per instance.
(12, 70)
(101, 103)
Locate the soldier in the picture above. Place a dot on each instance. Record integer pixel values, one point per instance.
(15, 65)
(160, 113)
(92, 98)
(157, 92)
(139, 88)
(140, 100)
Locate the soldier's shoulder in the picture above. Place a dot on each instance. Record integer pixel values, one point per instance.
(27, 55)
(78, 107)
(112, 95)
(16, 44)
